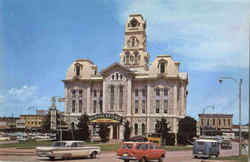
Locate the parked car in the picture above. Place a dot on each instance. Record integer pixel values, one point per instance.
(206, 148)
(68, 150)
(226, 144)
(141, 151)
(95, 138)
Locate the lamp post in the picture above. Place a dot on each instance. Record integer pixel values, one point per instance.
(240, 84)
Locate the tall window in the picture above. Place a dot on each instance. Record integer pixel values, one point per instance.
(101, 93)
(94, 107)
(112, 97)
(143, 128)
(162, 67)
(201, 122)
(219, 122)
(100, 102)
(73, 106)
(143, 92)
(165, 106)
(143, 106)
(136, 106)
(207, 122)
(157, 110)
(121, 97)
(80, 106)
(165, 92)
(136, 92)
(136, 129)
(224, 122)
(229, 122)
(94, 93)
(157, 92)
(73, 92)
(80, 93)
(213, 121)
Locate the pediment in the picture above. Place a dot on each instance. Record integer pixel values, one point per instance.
(117, 72)
(115, 67)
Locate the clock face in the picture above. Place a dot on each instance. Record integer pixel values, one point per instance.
(133, 42)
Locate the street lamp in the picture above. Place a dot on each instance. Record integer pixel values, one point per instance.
(240, 84)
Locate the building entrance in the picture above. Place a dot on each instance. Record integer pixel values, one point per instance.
(113, 121)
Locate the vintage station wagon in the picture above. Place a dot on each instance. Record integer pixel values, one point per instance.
(142, 151)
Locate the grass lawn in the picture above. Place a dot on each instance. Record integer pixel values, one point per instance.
(30, 144)
(242, 158)
(178, 148)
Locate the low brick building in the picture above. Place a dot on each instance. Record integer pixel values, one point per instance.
(220, 122)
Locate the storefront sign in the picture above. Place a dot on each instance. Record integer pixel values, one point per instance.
(105, 118)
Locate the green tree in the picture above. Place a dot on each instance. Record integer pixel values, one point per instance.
(186, 131)
(103, 132)
(127, 131)
(162, 129)
(83, 127)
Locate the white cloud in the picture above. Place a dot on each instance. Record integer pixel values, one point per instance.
(212, 33)
(23, 100)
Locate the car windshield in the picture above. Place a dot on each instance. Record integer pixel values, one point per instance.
(58, 144)
(127, 146)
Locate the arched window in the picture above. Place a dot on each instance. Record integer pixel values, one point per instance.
(136, 57)
(134, 23)
(162, 67)
(143, 128)
(136, 129)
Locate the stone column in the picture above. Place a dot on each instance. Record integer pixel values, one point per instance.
(129, 97)
(182, 97)
(148, 107)
(175, 100)
(88, 100)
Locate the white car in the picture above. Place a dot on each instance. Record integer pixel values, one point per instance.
(68, 150)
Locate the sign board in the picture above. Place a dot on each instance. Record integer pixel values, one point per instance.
(105, 118)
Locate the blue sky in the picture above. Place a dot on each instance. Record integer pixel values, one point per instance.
(40, 39)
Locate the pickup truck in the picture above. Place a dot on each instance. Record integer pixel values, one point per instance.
(141, 151)
(68, 150)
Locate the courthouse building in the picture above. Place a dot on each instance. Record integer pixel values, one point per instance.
(132, 90)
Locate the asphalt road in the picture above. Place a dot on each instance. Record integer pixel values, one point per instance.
(175, 156)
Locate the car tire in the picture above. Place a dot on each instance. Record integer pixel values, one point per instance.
(52, 158)
(143, 159)
(126, 160)
(93, 155)
(160, 159)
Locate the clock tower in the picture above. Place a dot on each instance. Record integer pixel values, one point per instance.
(134, 54)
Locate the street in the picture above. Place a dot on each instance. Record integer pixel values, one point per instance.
(180, 156)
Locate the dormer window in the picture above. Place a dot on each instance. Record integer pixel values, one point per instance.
(162, 67)
(77, 69)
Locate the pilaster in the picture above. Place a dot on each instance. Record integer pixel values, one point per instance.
(88, 100)
(129, 108)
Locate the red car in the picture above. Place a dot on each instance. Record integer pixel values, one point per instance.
(142, 151)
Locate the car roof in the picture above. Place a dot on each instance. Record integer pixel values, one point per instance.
(206, 140)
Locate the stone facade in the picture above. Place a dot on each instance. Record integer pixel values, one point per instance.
(139, 92)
